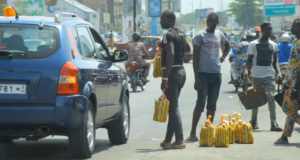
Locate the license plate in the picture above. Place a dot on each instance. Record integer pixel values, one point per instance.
(12, 89)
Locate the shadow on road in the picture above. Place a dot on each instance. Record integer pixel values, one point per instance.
(44, 149)
(147, 150)
(231, 92)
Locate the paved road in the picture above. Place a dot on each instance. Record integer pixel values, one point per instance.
(145, 134)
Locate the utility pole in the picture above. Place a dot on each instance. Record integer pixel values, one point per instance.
(134, 15)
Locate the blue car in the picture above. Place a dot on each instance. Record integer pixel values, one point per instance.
(66, 83)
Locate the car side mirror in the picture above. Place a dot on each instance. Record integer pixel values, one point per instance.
(120, 55)
(150, 49)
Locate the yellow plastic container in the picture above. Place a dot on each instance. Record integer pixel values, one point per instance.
(161, 109)
(207, 134)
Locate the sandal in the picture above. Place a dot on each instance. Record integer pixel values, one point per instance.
(190, 138)
(282, 141)
(163, 144)
(175, 146)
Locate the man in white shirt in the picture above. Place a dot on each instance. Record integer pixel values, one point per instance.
(262, 53)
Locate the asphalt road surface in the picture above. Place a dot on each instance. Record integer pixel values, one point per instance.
(145, 134)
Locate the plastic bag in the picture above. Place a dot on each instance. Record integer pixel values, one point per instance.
(161, 109)
(232, 130)
(157, 71)
(207, 133)
(222, 133)
(243, 130)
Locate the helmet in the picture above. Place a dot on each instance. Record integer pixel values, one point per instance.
(285, 38)
(257, 29)
(136, 36)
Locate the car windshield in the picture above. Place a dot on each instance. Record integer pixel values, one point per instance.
(28, 41)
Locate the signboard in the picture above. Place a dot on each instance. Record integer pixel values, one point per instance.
(280, 7)
(165, 6)
(28, 7)
(141, 19)
(127, 28)
(154, 8)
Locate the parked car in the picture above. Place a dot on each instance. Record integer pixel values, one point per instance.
(150, 42)
(70, 87)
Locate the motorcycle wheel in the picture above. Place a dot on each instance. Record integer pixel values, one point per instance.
(133, 82)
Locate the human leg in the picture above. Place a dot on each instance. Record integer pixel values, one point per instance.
(213, 95)
(200, 104)
(172, 93)
(234, 74)
(269, 84)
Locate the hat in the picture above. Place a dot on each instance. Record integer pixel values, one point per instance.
(257, 29)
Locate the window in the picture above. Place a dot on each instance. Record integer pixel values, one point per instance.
(28, 42)
(145, 41)
(99, 43)
(153, 42)
(87, 46)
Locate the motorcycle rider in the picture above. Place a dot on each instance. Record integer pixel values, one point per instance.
(285, 49)
(257, 32)
(136, 50)
(240, 59)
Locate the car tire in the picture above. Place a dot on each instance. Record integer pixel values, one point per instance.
(186, 61)
(82, 141)
(118, 131)
(4, 139)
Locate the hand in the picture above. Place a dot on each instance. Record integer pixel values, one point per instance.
(197, 85)
(222, 59)
(279, 78)
(294, 95)
(159, 44)
(164, 85)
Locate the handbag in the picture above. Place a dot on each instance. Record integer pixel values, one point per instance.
(253, 98)
(279, 97)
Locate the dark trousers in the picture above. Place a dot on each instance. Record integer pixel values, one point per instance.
(176, 82)
(210, 88)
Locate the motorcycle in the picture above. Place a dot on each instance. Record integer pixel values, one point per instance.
(241, 79)
(284, 69)
(137, 75)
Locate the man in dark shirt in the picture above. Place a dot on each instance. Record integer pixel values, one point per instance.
(174, 46)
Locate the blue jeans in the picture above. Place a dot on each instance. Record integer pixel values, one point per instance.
(210, 89)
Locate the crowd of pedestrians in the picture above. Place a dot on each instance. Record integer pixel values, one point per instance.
(258, 54)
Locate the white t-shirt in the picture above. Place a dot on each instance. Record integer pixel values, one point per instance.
(263, 58)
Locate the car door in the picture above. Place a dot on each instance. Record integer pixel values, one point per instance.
(115, 79)
(98, 69)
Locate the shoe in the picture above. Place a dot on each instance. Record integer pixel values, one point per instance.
(275, 127)
(254, 125)
(163, 144)
(175, 146)
(282, 141)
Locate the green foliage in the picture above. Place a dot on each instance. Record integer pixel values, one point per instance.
(248, 13)
(2, 9)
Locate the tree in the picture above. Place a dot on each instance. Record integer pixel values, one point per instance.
(248, 13)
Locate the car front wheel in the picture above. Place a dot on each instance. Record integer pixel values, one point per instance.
(118, 131)
(82, 141)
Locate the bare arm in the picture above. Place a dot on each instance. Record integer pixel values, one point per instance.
(275, 64)
(188, 47)
(145, 50)
(227, 49)
(170, 59)
(249, 62)
(196, 54)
